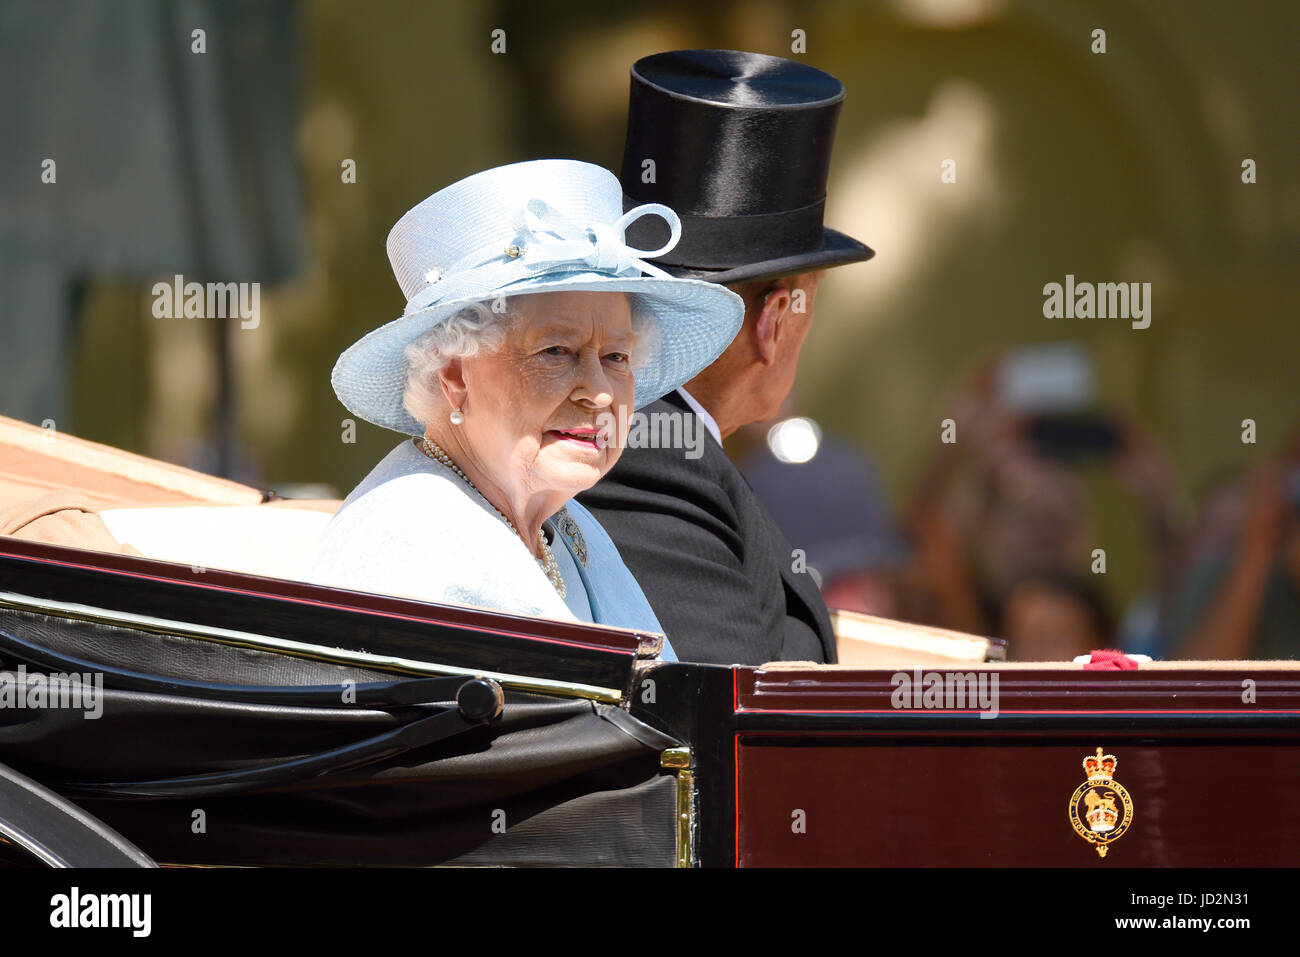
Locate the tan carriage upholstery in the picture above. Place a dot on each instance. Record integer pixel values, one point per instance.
(61, 517)
(64, 490)
(35, 461)
(868, 641)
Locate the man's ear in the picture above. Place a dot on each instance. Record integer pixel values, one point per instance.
(451, 377)
(767, 329)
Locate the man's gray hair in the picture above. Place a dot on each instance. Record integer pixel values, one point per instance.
(477, 328)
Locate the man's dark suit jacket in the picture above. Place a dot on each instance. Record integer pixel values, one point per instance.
(717, 570)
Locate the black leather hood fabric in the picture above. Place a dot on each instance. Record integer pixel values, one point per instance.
(552, 782)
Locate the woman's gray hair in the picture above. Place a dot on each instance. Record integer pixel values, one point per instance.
(477, 328)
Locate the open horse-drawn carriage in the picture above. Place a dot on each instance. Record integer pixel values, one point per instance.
(166, 696)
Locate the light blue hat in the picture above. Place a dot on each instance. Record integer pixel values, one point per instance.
(540, 226)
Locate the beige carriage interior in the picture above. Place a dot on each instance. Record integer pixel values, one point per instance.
(64, 490)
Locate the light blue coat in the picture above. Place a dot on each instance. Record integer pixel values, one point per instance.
(414, 528)
(609, 592)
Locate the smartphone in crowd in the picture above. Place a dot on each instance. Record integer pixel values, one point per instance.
(1054, 387)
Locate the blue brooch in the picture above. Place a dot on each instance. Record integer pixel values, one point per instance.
(570, 530)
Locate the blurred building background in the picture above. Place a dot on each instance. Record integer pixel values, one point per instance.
(1122, 166)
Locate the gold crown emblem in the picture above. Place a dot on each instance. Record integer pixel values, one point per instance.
(1099, 767)
(1101, 809)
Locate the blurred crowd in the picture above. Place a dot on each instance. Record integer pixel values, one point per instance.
(997, 537)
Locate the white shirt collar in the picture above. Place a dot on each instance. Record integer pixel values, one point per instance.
(703, 413)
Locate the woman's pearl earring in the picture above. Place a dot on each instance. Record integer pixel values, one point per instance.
(457, 416)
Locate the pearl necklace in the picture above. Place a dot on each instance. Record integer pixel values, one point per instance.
(547, 562)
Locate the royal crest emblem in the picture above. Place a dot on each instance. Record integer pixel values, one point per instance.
(1100, 808)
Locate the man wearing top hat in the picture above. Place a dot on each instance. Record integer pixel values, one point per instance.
(739, 145)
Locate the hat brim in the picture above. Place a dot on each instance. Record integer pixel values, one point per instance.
(837, 250)
(696, 320)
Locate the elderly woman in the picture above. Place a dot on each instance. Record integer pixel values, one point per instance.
(531, 331)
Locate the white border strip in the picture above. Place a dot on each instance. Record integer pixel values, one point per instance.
(228, 636)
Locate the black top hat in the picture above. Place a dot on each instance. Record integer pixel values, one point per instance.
(741, 147)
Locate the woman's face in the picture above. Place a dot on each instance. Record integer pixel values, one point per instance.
(1042, 623)
(534, 410)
